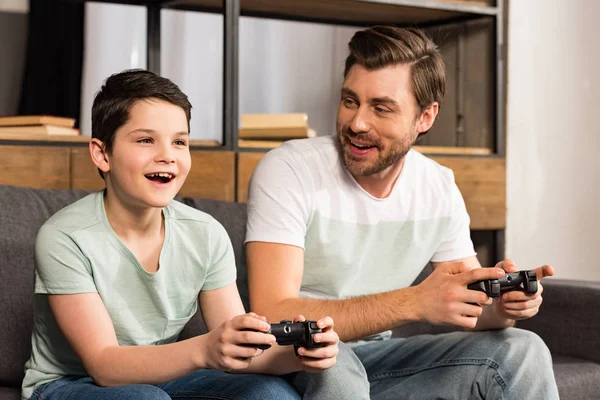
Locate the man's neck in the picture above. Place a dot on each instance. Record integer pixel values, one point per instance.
(130, 222)
(381, 184)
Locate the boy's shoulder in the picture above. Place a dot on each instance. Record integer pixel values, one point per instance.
(81, 214)
(182, 212)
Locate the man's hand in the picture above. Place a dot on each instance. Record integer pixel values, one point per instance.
(444, 298)
(320, 358)
(223, 350)
(516, 304)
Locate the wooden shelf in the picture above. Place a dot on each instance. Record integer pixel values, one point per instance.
(266, 145)
(19, 137)
(354, 12)
(351, 12)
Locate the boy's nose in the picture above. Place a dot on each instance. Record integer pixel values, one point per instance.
(165, 155)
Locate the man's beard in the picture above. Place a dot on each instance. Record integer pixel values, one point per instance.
(385, 158)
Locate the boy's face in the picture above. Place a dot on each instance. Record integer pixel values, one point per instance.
(379, 118)
(150, 157)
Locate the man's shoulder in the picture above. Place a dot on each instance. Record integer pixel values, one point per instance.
(429, 171)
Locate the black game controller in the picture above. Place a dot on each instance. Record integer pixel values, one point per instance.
(522, 280)
(299, 334)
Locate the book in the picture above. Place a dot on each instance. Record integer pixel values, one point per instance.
(274, 126)
(31, 120)
(259, 144)
(40, 129)
(266, 143)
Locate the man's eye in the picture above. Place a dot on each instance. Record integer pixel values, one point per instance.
(349, 102)
(382, 110)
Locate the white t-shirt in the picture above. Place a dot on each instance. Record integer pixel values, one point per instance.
(301, 194)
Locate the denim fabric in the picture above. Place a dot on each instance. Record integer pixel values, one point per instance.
(500, 364)
(203, 384)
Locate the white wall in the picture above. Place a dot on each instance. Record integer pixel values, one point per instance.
(17, 6)
(276, 60)
(553, 128)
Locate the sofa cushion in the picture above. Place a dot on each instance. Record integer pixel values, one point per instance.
(10, 393)
(23, 212)
(576, 379)
(233, 218)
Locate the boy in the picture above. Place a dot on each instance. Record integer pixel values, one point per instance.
(120, 272)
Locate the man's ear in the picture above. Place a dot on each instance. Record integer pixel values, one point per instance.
(427, 117)
(99, 155)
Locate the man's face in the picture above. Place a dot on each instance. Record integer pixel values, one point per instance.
(378, 118)
(150, 158)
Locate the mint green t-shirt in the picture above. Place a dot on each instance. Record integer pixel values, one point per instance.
(77, 251)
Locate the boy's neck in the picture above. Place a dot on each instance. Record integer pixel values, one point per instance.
(130, 221)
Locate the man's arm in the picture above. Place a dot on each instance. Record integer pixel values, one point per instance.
(275, 274)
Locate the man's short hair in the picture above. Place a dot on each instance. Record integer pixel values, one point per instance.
(383, 46)
(121, 91)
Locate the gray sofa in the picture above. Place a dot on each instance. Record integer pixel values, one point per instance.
(568, 321)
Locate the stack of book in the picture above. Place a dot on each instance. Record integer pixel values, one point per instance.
(36, 125)
(271, 130)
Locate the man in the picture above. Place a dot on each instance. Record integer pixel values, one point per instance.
(120, 272)
(343, 225)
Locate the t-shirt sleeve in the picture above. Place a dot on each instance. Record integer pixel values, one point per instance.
(278, 209)
(61, 267)
(222, 271)
(456, 242)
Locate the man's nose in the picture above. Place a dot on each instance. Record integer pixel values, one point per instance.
(360, 120)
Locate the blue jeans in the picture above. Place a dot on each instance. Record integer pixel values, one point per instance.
(501, 364)
(203, 384)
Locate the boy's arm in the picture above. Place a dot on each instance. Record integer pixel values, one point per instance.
(84, 321)
(275, 274)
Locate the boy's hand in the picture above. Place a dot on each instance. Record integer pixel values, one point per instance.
(321, 358)
(223, 346)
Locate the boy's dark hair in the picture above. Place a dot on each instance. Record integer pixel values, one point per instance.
(383, 46)
(121, 91)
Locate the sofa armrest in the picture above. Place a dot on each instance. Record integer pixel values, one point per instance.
(568, 320)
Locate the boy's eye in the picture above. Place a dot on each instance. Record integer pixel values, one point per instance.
(180, 142)
(145, 140)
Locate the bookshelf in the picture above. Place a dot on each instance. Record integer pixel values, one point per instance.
(423, 13)
(469, 108)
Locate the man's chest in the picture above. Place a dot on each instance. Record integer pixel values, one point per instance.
(347, 259)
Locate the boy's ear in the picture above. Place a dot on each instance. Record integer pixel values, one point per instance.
(99, 156)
